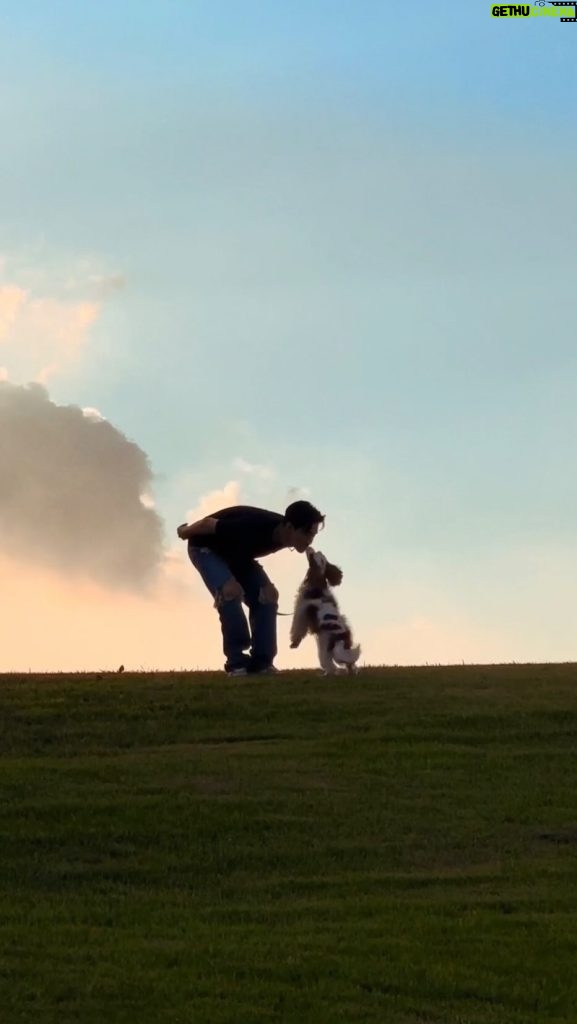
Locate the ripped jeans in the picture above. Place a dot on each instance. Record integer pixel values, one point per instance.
(260, 640)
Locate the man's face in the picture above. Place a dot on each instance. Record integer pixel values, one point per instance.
(302, 539)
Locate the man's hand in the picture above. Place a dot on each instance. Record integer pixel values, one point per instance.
(268, 594)
(181, 531)
(294, 643)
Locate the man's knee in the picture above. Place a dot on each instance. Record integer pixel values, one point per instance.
(268, 594)
(230, 591)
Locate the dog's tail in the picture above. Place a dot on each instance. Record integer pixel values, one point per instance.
(346, 655)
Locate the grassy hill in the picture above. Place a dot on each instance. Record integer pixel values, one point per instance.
(400, 847)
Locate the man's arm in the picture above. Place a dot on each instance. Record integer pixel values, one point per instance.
(232, 529)
(203, 526)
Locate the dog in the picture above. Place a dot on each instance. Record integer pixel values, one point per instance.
(316, 611)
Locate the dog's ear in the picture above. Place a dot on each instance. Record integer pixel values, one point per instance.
(334, 575)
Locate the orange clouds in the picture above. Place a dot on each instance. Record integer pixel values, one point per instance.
(12, 299)
(46, 319)
(41, 336)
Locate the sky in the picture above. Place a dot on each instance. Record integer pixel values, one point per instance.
(252, 252)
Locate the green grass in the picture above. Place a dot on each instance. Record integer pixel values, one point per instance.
(184, 848)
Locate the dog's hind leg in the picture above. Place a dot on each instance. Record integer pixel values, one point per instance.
(325, 655)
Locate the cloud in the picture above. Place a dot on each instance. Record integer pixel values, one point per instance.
(91, 413)
(12, 299)
(252, 469)
(41, 336)
(46, 317)
(213, 501)
(63, 330)
(71, 490)
(104, 285)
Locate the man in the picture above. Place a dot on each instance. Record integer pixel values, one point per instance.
(223, 548)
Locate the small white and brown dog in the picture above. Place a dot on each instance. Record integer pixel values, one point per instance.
(317, 612)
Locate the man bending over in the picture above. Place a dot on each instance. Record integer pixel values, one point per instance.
(223, 548)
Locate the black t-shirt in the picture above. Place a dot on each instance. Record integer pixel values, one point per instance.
(242, 534)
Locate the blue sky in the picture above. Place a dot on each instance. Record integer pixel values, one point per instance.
(346, 235)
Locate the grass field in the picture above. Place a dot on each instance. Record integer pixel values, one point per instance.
(186, 848)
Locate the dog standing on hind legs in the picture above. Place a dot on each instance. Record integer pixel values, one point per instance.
(317, 612)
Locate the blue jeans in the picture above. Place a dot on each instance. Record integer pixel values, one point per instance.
(237, 639)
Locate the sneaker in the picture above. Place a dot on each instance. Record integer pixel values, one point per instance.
(269, 670)
(237, 672)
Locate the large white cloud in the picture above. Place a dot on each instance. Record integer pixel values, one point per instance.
(70, 491)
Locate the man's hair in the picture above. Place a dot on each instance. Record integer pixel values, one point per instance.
(303, 516)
